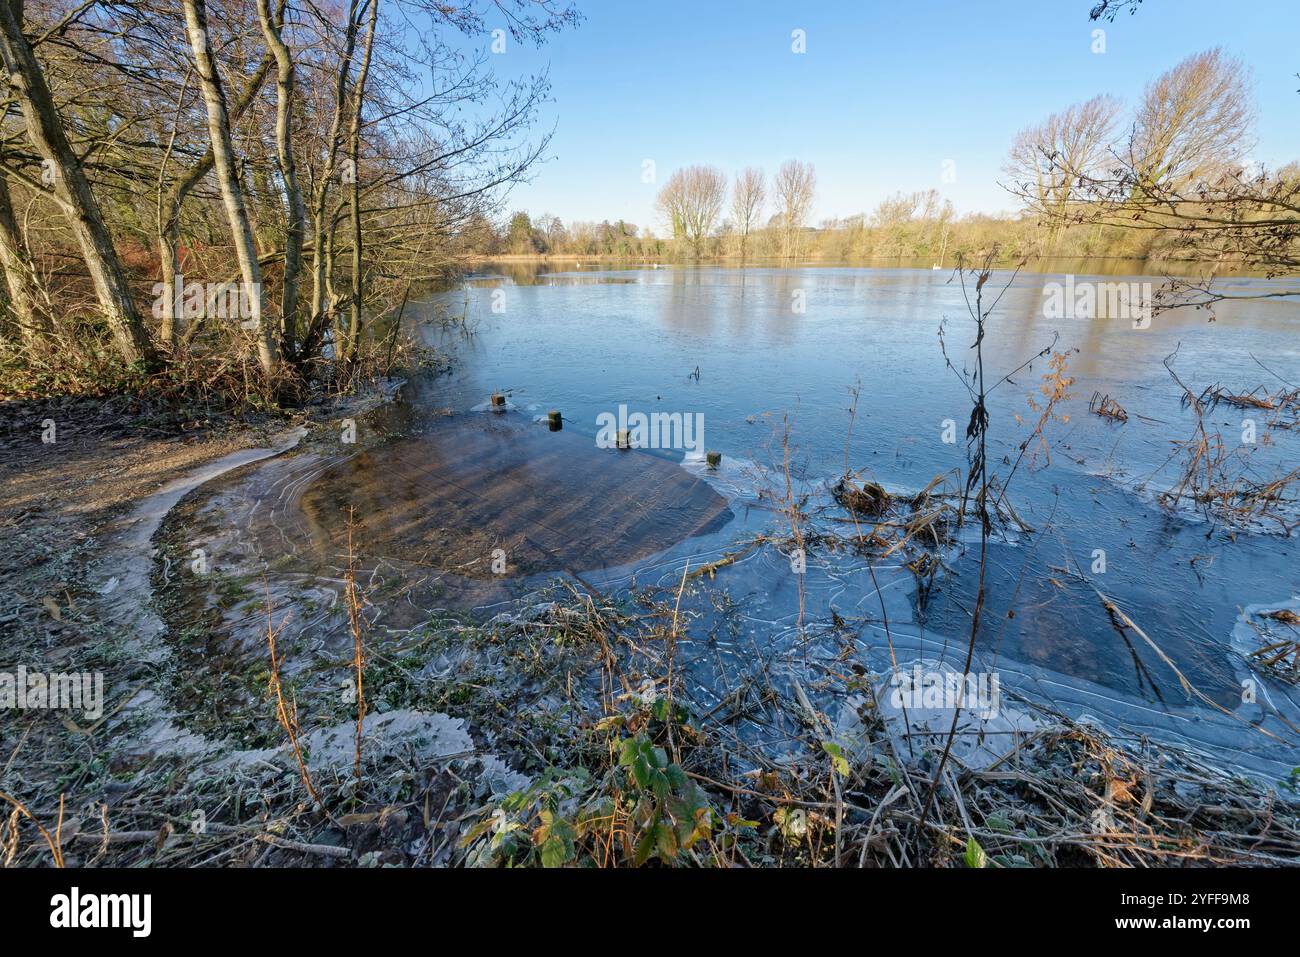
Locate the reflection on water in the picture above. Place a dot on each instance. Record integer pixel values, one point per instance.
(573, 269)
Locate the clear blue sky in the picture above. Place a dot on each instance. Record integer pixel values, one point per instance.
(886, 92)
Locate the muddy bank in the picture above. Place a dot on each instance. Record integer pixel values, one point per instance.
(83, 557)
(480, 718)
(171, 589)
(70, 510)
(623, 576)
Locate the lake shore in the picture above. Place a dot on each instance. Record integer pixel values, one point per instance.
(578, 673)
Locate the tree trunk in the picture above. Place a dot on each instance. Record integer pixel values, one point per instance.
(71, 189)
(29, 314)
(223, 154)
(354, 149)
(288, 172)
(320, 260)
(169, 214)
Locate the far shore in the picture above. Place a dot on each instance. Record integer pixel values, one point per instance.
(1109, 265)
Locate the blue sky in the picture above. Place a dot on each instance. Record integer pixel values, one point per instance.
(885, 94)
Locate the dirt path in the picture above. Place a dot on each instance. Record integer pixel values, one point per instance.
(67, 508)
(78, 552)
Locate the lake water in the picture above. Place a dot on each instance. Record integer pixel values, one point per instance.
(753, 353)
(771, 343)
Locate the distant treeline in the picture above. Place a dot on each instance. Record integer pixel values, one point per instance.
(902, 229)
(1167, 179)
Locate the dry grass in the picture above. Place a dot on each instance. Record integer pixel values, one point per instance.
(10, 843)
(1066, 794)
(286, 710)
(1215, 478)
(1279, 655)
(356, 623)
(1107, 408)
(1284, 400)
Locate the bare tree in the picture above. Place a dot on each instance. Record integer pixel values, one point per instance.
(354, 151)
(1110, 9)
(1047, 161)
(223, 152)
(181, 135)
(25, 295)
(297, 213)
(1194, 120)
(747, 198)
(795, 187)
(691, 202)
(322, 261)
(1180, 179)
(71, 189)
(172, 196)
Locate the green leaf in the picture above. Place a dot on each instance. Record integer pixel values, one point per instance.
(477, 831)
(667, 841)
(660, 709)
(641, 771)
(676, 777)
(975, 856)
(793, 823)
(594, 816)
(645, 847)
(659, 784)
(553, 852)
(658, 756)
(838, 761)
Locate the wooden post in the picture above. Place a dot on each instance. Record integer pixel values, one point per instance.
(714, 459)
(553, 420)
